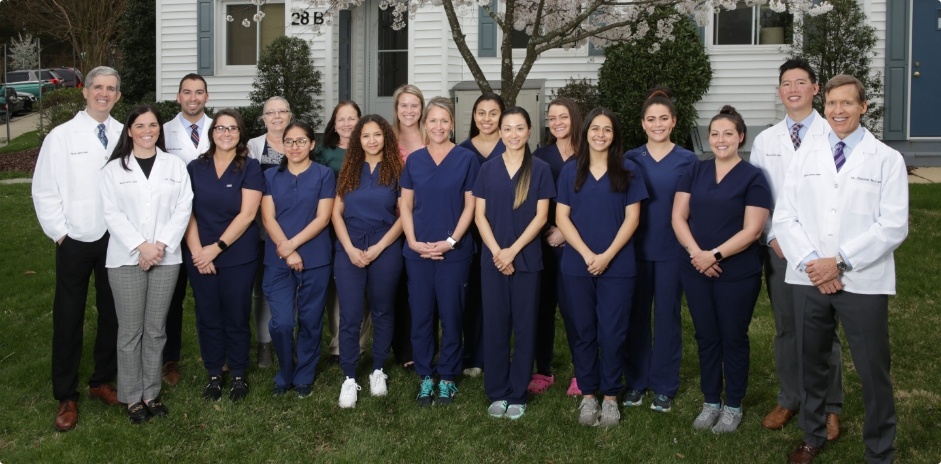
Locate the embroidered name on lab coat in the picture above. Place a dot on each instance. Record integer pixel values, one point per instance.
(866, 179)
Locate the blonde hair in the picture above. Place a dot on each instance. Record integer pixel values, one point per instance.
(409, 89)
(437, 102)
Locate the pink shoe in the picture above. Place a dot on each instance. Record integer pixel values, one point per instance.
(573, 389)
(540, 383)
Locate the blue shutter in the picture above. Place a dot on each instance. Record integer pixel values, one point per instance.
(487, 33)
(204, 58)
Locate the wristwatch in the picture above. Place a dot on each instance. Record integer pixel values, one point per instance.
(222, 245)
(454, 244)
(718, 256)
(840, 264)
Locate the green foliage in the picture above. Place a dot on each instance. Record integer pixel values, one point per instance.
(253, 123)
(583, 92)
(843, 42)
(287, 69)
(138, 43)
(59, 106)
(631, 69)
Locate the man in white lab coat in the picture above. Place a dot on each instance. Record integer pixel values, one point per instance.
(186, 136)
(842, 212)
(773, 151)
(68, 204)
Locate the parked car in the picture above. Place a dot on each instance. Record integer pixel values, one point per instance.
(29, 81)
(10, 103)
(71, 77)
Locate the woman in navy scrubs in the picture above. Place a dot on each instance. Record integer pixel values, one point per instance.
(565, 121)
(513, 192)
(598, 211)
(437, 208)
(222, 251)
(368, 249)
(296, 211)
(719, 212)
(485, 142)
(653, 359)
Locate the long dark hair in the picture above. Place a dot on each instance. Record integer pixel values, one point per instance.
(308, 131)
(488, 96)
(618, 176)
(241, 149)
(390, 169)
(125, 146)
(526, 168)
(575, 121)
(330, 136)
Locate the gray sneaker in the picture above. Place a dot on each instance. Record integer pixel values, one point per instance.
(633, 398)
(707, 418)
(609, 413)
(497, 409)
(588, 412)
(728, 420)
(265, 358)
(515, 411)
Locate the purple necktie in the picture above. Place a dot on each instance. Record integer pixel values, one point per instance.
(838, 156)
(795, 137)
(194, 136)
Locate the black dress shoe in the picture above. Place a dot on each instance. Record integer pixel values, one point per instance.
(157, 408)
(138, 413)
(213, 390)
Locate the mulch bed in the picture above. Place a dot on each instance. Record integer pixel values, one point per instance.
(21, 161)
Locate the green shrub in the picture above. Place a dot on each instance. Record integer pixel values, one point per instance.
(631, 69)
(58, 107)
(286, 68)
(583, 92)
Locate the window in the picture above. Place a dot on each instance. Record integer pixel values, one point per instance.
(752, 25)
(392, 53)
(243, 44)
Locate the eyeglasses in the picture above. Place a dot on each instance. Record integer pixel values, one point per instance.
(221, 129)
(270, 113)
(301, 143)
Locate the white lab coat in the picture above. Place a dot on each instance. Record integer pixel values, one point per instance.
(139, 209)
(861, 212)
(178, 142)
(773, 151)
(65, 182)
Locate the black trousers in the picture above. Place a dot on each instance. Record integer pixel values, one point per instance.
(75, 263)
(171, 351)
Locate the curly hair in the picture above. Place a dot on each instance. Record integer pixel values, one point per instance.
(390, 169)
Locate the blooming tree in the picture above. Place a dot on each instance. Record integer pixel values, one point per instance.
(561, 24)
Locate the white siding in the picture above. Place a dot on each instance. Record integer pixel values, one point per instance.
(746, 78)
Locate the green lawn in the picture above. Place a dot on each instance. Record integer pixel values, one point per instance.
(394, 429)
(27, 140)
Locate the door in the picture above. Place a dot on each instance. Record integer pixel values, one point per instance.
(387, 59)
(925, 69)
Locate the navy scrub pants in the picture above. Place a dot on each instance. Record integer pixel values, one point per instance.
(223, 303)
(443, 283)
(509, 312)
(601, 309)
(551, 294)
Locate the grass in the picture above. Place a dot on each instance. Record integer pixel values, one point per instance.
(393, 429)
(23, 142)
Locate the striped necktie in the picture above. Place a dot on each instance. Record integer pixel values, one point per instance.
(102, 136)
(194, 136)
(838, 156)
(795, 135)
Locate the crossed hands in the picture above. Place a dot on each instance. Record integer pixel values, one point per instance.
(597, 264)
(824, 275)
(150, 255)
(363, 258)
(431, 250)
(503, 260)
(705, 262)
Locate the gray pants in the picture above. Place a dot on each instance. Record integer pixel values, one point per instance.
(142, 300)
(786, 349)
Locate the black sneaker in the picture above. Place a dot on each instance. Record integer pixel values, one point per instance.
(138, 413)
(157, 408)
(426, 392)
(213, 391)
(239, 388)
(446, 392)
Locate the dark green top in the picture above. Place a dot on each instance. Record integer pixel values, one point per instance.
(330, 157)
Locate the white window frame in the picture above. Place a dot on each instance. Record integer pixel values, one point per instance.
(710, 34)
(221, 37)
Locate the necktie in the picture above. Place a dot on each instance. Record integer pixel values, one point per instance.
(194, 136)
(101, 135)
(838, 156)
(795, 137)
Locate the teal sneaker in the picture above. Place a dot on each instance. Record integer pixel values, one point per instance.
(497, 409)
(446, 392)
(515, 411)
(426, 392)
(661, 403)
(633, 398)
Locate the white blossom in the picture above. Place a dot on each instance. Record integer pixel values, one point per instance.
(246, 22)
(229, 18)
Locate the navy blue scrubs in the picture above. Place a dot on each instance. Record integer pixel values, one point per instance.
(296, 199)
(224, 299)
(721, 308)
(551, 290)
(600, 304)
(438, 204)
(509, 309)
(473, 327)
(368, 213)
(653, 358)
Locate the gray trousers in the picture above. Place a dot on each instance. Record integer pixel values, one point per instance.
(786, 349)
(142, 300)
(865, 320)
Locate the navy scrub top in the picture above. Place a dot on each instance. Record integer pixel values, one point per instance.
(216, 202)
(296, 199)
(439, 197)
(598, 214)
(551, 155)
(495, 185)
(369, 211)
(498, 149)
(717, 211)
(655, 240)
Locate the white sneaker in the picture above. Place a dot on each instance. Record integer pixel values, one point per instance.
(377, 383)
(348, 393)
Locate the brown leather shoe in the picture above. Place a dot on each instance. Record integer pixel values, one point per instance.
(804, 454)
(171, 373)
(106, 393)
(777, 418)
(833, 426)
(66, 416)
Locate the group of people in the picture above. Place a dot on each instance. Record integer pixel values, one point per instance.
(394, 228)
